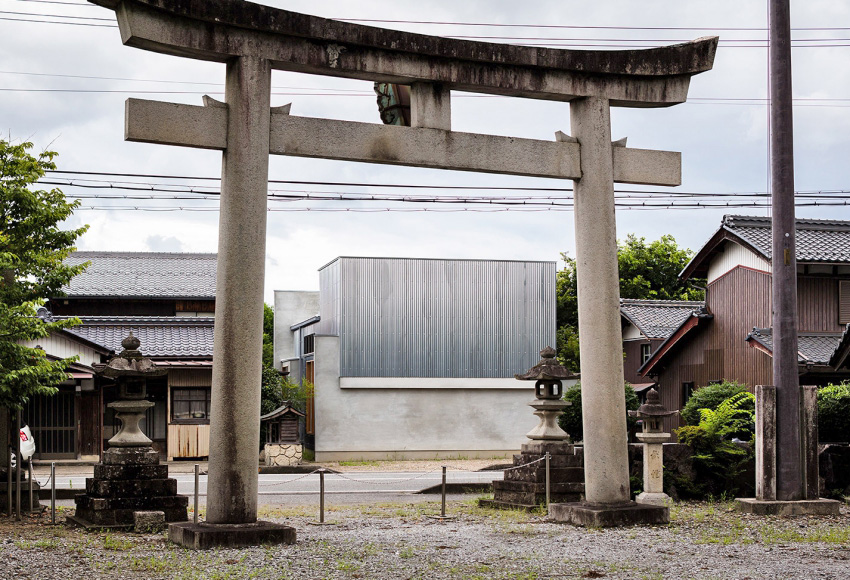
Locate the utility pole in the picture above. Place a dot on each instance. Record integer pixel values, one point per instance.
(790, 483)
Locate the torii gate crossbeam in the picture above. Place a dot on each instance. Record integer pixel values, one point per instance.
(253, 39)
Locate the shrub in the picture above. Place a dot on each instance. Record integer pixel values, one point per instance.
(718, 462)
(834, 412)
(571, 421)
(709, 397)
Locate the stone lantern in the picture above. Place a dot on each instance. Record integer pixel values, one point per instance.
(548, 390)
(130, 370)
(651, 413)
(524, 486)
(129, 485)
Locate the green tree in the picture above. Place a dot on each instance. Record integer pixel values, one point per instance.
(647, 271)
(571, 419)
(268, 336)
(33, 248)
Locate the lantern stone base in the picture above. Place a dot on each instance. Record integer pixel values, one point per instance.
(204, 536)
(604, 516)
(805, 507)
(129, 480)
(525, 486)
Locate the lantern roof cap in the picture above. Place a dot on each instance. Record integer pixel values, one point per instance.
(652, 407)
(129, 363)
(547, 369)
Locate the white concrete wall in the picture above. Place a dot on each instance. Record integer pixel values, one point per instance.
(291, 307)
(415, 420)
(735, 255)
(631, 332)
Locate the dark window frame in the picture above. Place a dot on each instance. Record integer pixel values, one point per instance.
(205, 404)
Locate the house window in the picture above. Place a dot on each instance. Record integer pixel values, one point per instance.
(190, 405)
(309, 343)
(687, 392)
(645, 351)
(843, 301)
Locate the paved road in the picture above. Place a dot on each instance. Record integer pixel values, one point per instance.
(300, 489)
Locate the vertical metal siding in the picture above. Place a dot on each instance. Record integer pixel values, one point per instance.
(329, 299)
(441, 318)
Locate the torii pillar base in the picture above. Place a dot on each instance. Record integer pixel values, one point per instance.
(203, 536)
(608, 516)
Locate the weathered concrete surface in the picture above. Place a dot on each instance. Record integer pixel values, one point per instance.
(606, 466)
(225, 29)
(432, 417)
(765, 442)
(430, 106)
(806, 507)
(235, 402)
(203, 536)
(595, 516)
(435, 148)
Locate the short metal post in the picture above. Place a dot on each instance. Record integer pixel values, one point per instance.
(321, 496)
(197, 486)
(18, 461)
(32, 505)
(547, 483)
(443, 509)
(53, 492)
(9, 481)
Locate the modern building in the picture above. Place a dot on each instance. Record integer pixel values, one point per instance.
(415, 358)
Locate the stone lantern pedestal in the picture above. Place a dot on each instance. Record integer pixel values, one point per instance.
(130, 478)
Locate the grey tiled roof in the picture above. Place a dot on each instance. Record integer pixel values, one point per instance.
(144, 275)
(161, 336)
(817, 240)
(658, 318)
(815, 348)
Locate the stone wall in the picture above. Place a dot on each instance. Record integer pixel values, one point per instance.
(283, 454)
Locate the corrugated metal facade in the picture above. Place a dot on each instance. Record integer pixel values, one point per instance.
(402, 317)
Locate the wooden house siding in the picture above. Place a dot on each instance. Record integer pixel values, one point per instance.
(632, 360)
(817, 304)
(739, 300)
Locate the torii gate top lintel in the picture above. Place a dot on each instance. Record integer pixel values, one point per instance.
(224, 29)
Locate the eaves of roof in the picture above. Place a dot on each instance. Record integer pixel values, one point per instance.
(695, 320)
(842, 350)
(698, 266)
(813, 348)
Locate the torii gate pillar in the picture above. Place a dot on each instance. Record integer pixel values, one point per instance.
(253, 39)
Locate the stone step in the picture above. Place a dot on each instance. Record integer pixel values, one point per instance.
(87, 502)
(124, 516)
(535, 474)
(530, 487)
(102, 471)
(130, 456)
(131, 487)
(519, 499)
(554, 460)
(553, 447)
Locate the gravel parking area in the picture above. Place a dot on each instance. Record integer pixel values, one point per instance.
(399, 540)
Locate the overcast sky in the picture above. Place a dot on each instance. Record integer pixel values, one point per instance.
(722, 133)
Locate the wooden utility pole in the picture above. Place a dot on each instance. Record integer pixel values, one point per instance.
(790, 483)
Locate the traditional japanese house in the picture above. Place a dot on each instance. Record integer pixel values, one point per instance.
(731, 338)
(165, 299)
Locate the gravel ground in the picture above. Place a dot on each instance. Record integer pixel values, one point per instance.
(400, 541)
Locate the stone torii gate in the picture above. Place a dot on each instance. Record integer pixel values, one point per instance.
(252, 40)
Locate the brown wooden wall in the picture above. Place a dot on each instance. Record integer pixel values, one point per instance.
(717, 350)
(817, 304)
(631, 359)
